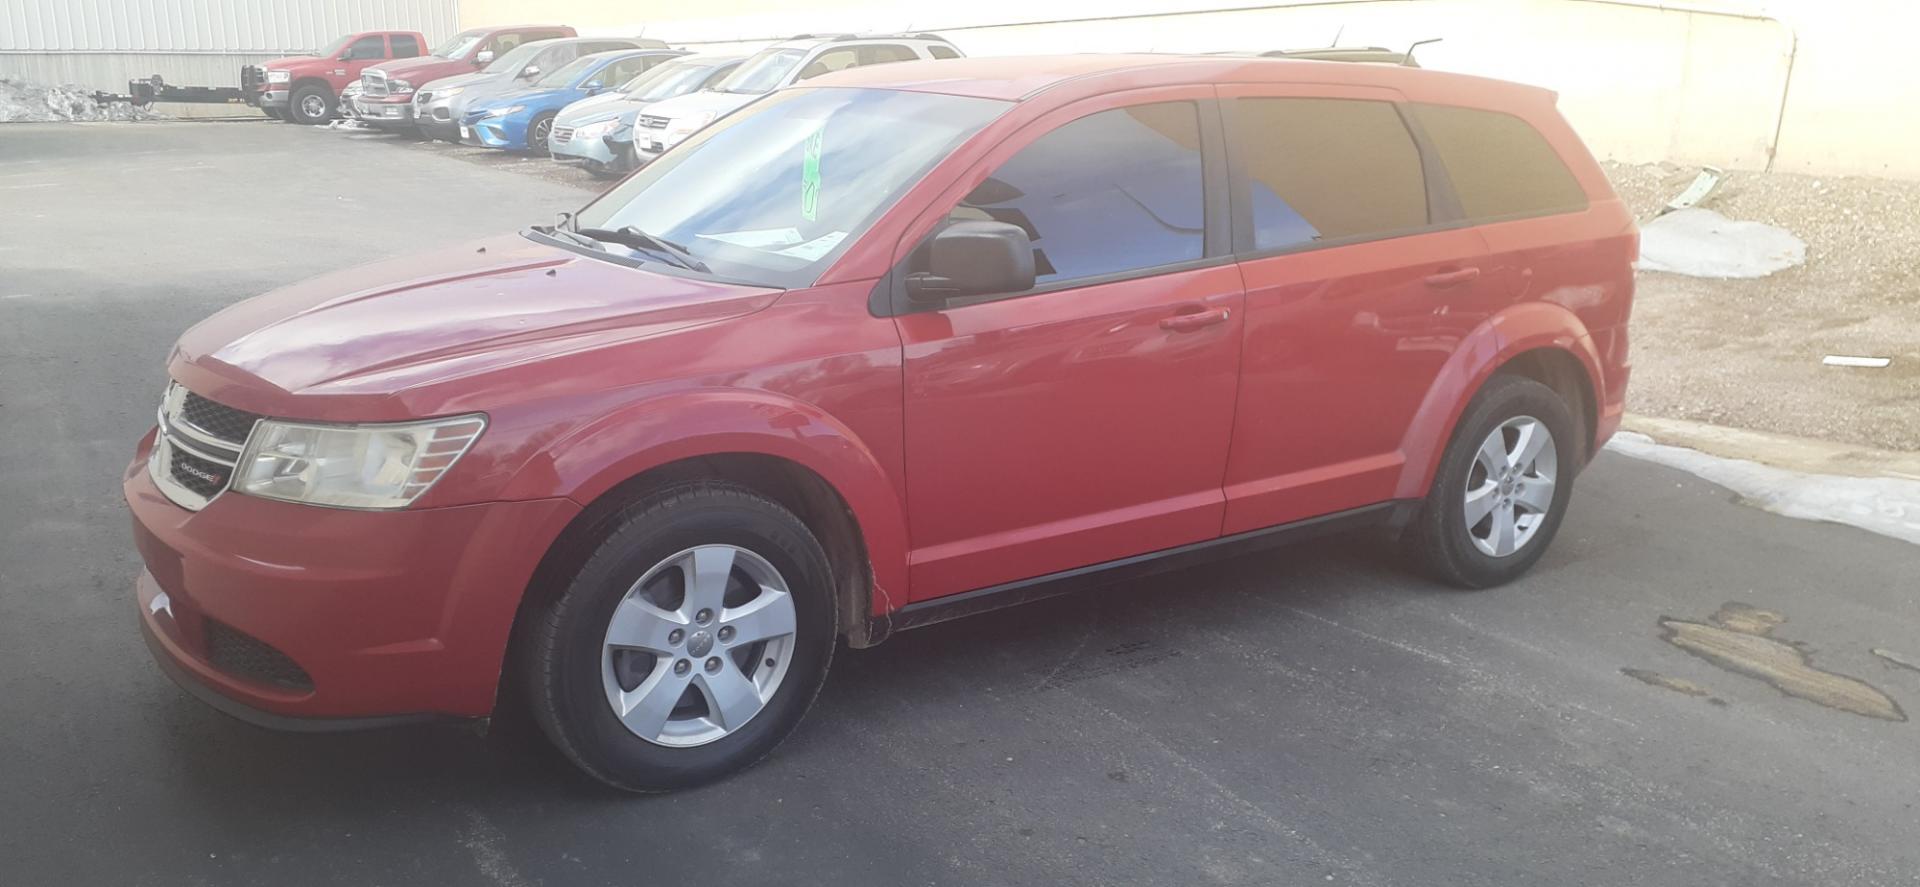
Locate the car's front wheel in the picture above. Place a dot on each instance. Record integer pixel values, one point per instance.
(690, 640)
(1502, 486)
(311, 104)
(537, 132)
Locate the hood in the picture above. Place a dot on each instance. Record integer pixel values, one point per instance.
(345, 344)
(595, 108)
(534, 99)
(459, 80)
(421, 69)
(296, 61)
(720, 103)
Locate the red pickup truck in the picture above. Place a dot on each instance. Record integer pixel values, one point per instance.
(306, 88)
(386, 94)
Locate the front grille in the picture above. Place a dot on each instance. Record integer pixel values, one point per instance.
(219, 420)
(204, 477)
(198, 446)
(252, 659)
(562, 134)
(649, 121)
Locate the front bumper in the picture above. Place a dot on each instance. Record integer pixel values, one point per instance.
(396, 115)
(593, 150)
(274, 98)
(387, 616)
(495, 132)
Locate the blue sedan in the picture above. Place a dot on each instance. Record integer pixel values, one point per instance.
(521, 120)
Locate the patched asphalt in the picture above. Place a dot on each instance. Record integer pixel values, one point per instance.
(1307, 716)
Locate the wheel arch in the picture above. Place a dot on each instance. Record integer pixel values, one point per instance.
(787, 450)
(1539, 340)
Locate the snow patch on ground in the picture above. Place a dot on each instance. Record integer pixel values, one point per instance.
(1889, 506)
(24, 102)
(1704, 243)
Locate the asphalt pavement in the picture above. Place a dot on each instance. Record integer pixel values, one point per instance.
(1686, 690)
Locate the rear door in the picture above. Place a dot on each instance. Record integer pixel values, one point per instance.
(1086, 419)
(1361, 281)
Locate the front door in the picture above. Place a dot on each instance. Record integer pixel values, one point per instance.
(1087, 419)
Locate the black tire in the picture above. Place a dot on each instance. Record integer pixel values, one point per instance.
(273, 113)
(298, 110)
(537, 131)
(1438, 539)
(562, 654)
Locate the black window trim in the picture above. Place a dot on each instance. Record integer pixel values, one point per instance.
(889, 296)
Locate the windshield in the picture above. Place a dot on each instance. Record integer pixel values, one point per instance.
(567, 72)
(768, 195)
(668, 80)
(516, 58)
(763, 71)
(332, 49)
(458, 45)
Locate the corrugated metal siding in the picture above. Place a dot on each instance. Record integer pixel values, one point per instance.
(100, 44)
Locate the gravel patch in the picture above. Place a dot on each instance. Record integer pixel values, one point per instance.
(1746, 353)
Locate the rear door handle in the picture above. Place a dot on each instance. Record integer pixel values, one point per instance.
(1186, 323)
(1447, 279)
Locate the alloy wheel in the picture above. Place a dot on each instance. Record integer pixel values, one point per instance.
(1510, 487)
(313, 106)
(698, 646)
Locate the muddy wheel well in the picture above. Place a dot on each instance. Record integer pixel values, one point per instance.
(1561, 371)
(791, 484)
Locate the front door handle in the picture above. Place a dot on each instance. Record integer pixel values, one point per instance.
(1447, 279)
(1186, 323)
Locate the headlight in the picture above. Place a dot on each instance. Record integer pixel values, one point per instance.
(596, 130)
(279, 76)
(502, 112)
(449, 92)
(399, 87)
(680, 127)
(382, 466)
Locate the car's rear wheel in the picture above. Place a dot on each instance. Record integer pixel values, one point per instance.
(689, 641)
(1502, 487)
(537, 132)
(310, 104)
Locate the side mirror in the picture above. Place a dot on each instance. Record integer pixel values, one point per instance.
(596, 86)
(483, 57)
(974, 258)
(529, 72)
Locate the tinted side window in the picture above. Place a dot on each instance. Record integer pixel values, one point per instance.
(405, 46)
(1324, 169)
(625, 69)
(943, 52)
(828, 62)
(1110, 192)
(881, 53)
(373, 47)
(1499, 164)
(503, 43)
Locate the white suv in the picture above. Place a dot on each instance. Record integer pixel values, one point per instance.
(782, 64)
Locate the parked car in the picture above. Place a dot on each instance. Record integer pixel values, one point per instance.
(521, 119)
(306, 88)
(386, 99)
(349, 101)
(782, 64)
(597, 132)
(438, 106)
(906, 343)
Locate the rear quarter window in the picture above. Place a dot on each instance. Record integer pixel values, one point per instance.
(1499, 164)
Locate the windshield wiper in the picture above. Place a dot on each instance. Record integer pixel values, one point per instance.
(561, 232)
(638, 239)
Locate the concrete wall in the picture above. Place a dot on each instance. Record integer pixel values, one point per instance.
(1803, 85)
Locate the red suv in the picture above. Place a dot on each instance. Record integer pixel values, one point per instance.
(909, 342)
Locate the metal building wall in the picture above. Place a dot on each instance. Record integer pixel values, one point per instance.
(101, 44)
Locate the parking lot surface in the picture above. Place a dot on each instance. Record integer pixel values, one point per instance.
(1685, 691)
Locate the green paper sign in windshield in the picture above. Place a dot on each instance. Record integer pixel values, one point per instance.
(810, 177)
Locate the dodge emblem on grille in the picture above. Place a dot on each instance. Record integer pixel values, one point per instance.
(202, 473)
